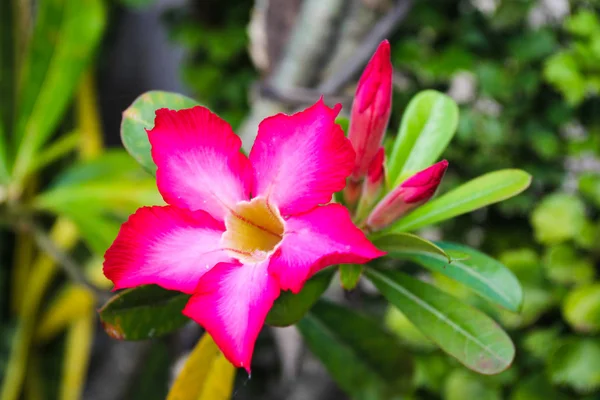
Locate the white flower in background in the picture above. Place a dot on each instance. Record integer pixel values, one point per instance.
(486, 7)
(548, 12)
(488, 106)
(574, 130)
(462, 87)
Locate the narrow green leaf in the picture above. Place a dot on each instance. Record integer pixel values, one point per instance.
(460, 330)
(480, 272)
(7, 80)
(289, 308)
(110, 166)
(122, 196)
(64, 40)
(406, 245)
(144, 312)
(477, 193)
(139, 116)
(366, 361)
(428, 125)
(350, 275)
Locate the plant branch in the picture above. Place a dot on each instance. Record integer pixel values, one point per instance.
(364, 52)
(68, 265)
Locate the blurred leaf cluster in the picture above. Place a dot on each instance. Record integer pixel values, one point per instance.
(529, 96)
(218, 70)
(62, 196)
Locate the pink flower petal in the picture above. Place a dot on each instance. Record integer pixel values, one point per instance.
(167, 246)
(300, 160)
(315, 240)
(199, 161)
(231, 302)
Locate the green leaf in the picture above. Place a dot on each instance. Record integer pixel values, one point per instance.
(589, 186)
(428, 124)
(406, 331)
(583, 23)
(562, 71)
(350, 275)
(557, 218)
(480, 272)
(111, 165)
(65, 38)
(363, 359)
(406, 245)
(289, 308)
(581, 308)
(537, 301)
(144, 312)
(541, 343)
(564, 265)
(7, 83)
(139, 116)
(477, 193)
(576, 364)
(460, 330)
(117, 196)
(463, 384)
(536, 387)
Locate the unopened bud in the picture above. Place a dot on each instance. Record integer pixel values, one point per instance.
(371, 110)
(407, 196)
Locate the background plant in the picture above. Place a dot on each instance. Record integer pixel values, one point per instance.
(533, 105)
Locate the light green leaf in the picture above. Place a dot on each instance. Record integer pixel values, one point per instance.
(428, 125)
(460, 330)
(536, 387)
(557, 218)
(477, 193)
(480, 272)
(562, 71)
(65, 38)
(461, 385)
(406, 245)
(117, 196)
(139, 116)
(7, 83)
(350, 275)
(564, 265)
(576, 364)
(110, 166)
(144, 312)
(583, 23)
(581, 308)
(406, 331)
(289, 308)
(366, 361)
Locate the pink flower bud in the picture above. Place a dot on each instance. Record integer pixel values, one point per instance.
(407, 196)
(371, 109)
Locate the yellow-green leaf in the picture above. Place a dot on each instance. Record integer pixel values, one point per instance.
(206, 375)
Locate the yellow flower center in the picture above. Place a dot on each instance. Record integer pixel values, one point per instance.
(253, 230)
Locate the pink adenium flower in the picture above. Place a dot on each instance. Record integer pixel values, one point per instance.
(410, 194)
(237, 230)
(371, 110)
